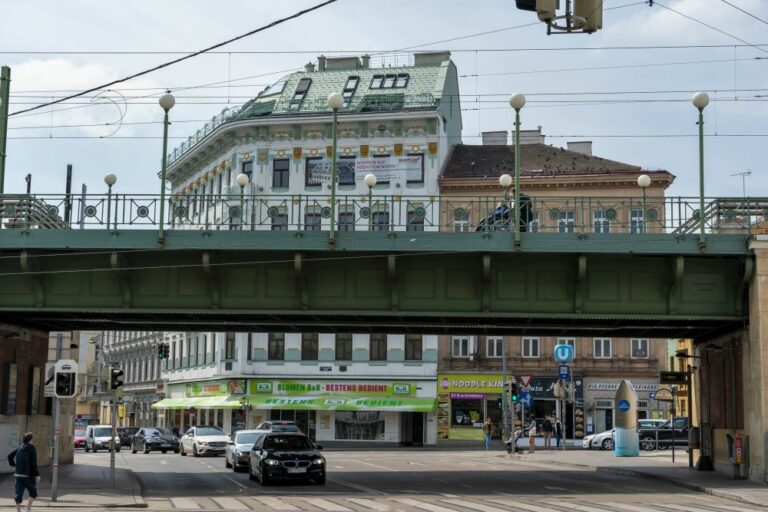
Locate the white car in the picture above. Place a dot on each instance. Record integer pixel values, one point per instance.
(97, 438)
(604, 440)
(204, 440)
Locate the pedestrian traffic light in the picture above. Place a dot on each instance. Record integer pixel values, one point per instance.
(160, 351)
(65, 378)
(115, 378)
(166, 350)
(498, 403)
(513, 396)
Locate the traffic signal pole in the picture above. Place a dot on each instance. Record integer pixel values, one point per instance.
(112, 446)
(56, 432)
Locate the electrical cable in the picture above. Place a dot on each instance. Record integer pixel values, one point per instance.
(186, 57)
(745, 12)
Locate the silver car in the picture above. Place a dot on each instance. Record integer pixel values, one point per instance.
(237, 453)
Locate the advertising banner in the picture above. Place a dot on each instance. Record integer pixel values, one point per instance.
(343, 403)
(215, 387)
(353, 170)
(330, 388)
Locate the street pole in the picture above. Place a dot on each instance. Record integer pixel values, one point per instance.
(167, 101)
(56, 432)
(112, 444)
(674, 409)
(700, 101)
(5, 89)
(689, 372)
(504, 396)
(517, 101)
(333, 178)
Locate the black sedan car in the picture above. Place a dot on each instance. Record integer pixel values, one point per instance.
(154, 439)
(126, 435)
(286, 456)
(665, 436)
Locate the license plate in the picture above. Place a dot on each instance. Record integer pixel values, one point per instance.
(297, 470)
(165, 445)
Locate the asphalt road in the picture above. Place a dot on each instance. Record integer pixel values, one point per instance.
(411, 480)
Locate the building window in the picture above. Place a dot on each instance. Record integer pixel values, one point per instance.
(413, 347)
(301, 92)
(280, 222)
(229, 347)
(401, 82)
(601, 222)
(530, 347)
(344, 347)
(247, 169)
(346, 221)
(494, 347)
(376, 81)
(280, 173)
(636, 222)
(381, 221)
(249, 353)
(568, 341)
(416, 178)
(309, 347)
(276, 346)
(312, 221)
(309, 165)
(349, 89)
(602, 348)
(567, 222)
(415, 221)
(345, 170)
(460, 221)
(378, 350)
(460, 346)
(639, 348)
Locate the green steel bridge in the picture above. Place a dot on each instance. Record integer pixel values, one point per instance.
(433, 264)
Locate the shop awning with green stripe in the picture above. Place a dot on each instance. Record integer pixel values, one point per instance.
(200, 402)
(344, 403)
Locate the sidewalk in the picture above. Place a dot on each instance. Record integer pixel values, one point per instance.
(656, 465)
(81, 485)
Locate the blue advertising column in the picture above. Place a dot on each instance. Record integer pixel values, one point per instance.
(626, 441)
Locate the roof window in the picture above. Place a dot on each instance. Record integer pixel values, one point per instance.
(301, 92)
(349, 89)
(398, 81)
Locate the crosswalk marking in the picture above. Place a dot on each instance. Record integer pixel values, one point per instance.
(187, 503)
(574, 506)
(687, 508)
(630, 507)
(520, 505)
(474, 506)
(327, 505)
(425, 506)
(742, 508)
(230, 503)
(371, 504)
(275, 503)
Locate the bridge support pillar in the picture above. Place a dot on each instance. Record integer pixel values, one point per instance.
(755, 361)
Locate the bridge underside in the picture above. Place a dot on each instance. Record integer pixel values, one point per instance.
(409, 283)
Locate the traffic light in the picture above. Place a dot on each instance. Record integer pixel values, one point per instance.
(166, 350)
(498, 404)
(115, 378)
(65, 385)
(513, 396)
(161, 351)
(545, 9)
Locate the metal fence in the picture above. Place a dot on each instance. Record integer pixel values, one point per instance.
(256, 211)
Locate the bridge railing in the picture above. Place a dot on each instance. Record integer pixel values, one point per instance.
(257, 211)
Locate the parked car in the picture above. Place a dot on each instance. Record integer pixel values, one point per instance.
(286, 456)
(277, 426)
(97, 437)
(150, 439)
(203, 440)
(79, 437)
(604, 440)
(126, 435)
(238, 450)
(663, 436)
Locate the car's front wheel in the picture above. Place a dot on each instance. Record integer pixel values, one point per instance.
(181, 451)
(251, 476)
(648, 443)
(263, 478)
(607, 444)
(194, 451)
(226, 462)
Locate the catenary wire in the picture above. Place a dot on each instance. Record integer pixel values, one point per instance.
(744, 11)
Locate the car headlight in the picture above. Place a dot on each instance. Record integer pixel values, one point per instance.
(242, 453)
(318, 461)
(271, 462)
(202, 443)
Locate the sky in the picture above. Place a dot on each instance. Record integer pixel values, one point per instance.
(632, 101)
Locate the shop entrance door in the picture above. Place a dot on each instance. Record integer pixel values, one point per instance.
(412, 428)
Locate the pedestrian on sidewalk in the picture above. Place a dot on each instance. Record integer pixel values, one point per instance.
(487, 430)
(532, 436)
(548, 429)
(558, 432)
(24, 458)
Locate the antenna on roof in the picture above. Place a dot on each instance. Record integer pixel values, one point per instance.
(743, 175)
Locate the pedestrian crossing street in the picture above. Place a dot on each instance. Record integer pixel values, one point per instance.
(439, 503)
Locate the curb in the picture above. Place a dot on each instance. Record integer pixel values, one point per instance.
(651, 476)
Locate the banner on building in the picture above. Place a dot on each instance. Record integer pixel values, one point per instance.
(353, 170)
(330, 388)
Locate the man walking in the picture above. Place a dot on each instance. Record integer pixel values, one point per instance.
(547, 428)
(24, 458)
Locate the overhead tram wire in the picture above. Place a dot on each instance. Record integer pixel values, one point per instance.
(744, 11)
(186, 57)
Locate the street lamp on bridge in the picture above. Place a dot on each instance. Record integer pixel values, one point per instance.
(644, 181)
(700, 101)
(167, 101)
(242, 181)
(110, 179)
(370, 180)
(335, 101)
(517, 101)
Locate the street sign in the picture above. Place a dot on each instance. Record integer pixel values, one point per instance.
(673, 377)
(663, 395)
(65, 381)
(624, 405)
(651, 395)
(565, 372)
(525, 380)
(563, 353)
(49, 381)
(526, 399)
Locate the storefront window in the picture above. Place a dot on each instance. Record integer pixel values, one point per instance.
(466, 412)
(360, 425)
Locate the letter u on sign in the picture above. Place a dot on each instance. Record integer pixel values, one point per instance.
(563, 353)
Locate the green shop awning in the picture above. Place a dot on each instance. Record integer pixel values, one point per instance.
(344, 403)
(199, 402)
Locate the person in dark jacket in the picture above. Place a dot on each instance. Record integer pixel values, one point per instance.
(24, 458)
(526, 212)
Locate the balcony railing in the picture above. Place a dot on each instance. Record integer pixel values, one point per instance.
(385, 213)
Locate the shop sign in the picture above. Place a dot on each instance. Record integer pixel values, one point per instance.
(490, 383)
(468, 396)
(344, 403)
(330, 388)
(215, 388)
(613, 386)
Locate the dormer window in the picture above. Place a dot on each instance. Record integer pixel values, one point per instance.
(402, 81)
(301, 92)
(398, 81)
(349, 89)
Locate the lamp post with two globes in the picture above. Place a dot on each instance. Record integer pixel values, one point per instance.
(517, 101)
(700, 101)
(167, 101)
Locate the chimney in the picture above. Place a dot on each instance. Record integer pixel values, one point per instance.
(583, 146)
(309, 67)
(366, 61)
(531, 136)
(321, 63)
(497, 138)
